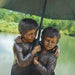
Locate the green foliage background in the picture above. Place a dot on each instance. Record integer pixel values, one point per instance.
(9, 22)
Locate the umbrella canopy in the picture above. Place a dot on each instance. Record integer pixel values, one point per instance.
(55, 9)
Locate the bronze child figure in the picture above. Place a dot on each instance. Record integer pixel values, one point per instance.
(23, 47)
(45, 62)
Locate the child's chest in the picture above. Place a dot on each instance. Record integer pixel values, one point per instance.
(43, 58)
(27, 48)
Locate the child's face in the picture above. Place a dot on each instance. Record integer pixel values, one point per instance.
(49, 43)
(30, 36)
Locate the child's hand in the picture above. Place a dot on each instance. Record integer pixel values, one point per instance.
(35, 61)
(57, 53)
(36, 49)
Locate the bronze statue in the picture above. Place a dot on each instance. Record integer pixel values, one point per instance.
(45, 62)
(23, 47)
(25, 50)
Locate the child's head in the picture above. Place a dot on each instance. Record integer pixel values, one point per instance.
(28, 29)
(50, 37)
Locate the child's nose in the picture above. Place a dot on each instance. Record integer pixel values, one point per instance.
(49, 43)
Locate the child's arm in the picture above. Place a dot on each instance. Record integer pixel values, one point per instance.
(46, 70)
(21, 60)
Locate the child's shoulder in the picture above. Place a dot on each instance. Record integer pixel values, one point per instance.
(18, 42)
(18, 39)
(17, 47)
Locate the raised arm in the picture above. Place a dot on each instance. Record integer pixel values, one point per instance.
(21, 60)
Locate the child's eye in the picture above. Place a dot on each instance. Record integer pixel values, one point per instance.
(31, 34)
(53, 42)
(47, 40)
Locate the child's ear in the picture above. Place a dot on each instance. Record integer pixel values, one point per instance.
(42, 38)
(22, 34)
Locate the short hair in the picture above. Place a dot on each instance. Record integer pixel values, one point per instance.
(50, 32)
(27, 24)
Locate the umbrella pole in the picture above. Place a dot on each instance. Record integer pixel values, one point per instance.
(41, 21)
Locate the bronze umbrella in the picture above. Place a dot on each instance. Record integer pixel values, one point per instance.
(55, 9)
